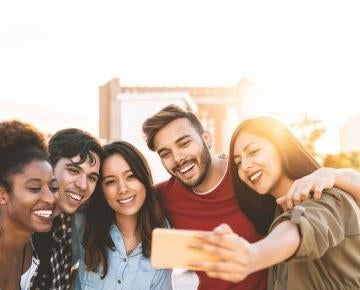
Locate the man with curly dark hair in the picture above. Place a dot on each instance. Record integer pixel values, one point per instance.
(76, 157)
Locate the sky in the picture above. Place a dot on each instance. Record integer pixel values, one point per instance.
(55, 54)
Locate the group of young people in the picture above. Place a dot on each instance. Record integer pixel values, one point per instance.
(276, 219)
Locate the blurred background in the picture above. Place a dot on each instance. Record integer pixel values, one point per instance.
(105, 66)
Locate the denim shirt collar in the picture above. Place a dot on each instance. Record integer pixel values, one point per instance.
(119, 243)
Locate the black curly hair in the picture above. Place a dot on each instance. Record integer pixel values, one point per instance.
(70, 142)
(20, 144)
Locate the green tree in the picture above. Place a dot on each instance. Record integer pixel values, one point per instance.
(351, 159)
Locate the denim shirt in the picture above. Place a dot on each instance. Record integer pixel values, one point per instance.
(124, 272)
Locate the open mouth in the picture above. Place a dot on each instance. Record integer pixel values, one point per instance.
(255, 176)
(186, 168)
(74, 196)
(43, 213)
(125, 201)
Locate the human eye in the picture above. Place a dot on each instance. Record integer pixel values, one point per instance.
(34, 189)
(238, 163)
(73, 170)
(253, 150)
(93, 178)
(54, 188)
(130, 175)
(108, 182)
(164, 155)
(185, 143)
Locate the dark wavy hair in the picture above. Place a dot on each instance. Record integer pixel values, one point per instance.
(70, 142)
(20, 144)
(99, 216)
(296, 160)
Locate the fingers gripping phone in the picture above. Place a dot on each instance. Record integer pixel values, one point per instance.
(170, 248)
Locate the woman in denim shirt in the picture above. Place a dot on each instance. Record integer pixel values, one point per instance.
(118, 225)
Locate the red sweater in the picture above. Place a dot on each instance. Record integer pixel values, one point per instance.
(187, 210)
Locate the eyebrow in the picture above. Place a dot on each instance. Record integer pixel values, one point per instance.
(176, 141)
(33, 180)
(111, 175)
(245, 148)
(71, 164)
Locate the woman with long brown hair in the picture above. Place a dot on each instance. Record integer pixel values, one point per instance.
(314, 246)
(118, 224)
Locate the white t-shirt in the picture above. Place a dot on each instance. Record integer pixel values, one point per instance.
(26, 277)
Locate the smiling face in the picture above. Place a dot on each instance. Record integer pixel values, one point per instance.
(30, 204)
(259, 164)
(183, 151)
(124, 192)
(76, 182)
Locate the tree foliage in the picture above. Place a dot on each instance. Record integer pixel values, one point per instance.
(309, 132)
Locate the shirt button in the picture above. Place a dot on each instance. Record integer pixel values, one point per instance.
(119, 281)
(124, 259)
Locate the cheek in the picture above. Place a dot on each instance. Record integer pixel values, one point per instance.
(92, 187)
(63, 179)
(166, 163)
(109, 195)
(241, 174)
(139, 188)
(107, 190)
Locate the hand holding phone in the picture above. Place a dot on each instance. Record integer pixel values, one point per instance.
(171, 248)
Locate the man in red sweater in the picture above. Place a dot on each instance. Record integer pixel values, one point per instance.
(199, 195)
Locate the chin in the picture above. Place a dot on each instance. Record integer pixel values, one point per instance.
(69, 210)
(42, 229)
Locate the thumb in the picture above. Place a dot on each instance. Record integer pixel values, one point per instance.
(282, 201)
(223, 229)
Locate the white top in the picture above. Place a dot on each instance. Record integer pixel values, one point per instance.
(26, 277)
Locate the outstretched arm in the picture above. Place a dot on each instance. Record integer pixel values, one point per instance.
(324, 178)
(239, 258)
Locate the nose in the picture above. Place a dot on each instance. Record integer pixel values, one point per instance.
(179, 156)
(81, 181)
(122, 187)
(246, 164)
(48, 196)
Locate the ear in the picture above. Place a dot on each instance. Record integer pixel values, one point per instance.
(3, 196)
(207, 139)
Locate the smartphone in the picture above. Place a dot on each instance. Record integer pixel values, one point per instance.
(170, 248)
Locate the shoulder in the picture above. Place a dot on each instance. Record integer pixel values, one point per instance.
(166, 185)
(335, 197)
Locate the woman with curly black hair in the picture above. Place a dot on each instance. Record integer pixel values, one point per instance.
(27, 187)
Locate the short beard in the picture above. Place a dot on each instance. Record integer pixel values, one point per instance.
(204, 165)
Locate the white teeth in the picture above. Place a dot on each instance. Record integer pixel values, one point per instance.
(186, 168)
(43, 213)
(123, 201)
(74, 196)
(255, 176)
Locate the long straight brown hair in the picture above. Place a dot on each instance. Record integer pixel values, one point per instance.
(296, 161)
(99, 216)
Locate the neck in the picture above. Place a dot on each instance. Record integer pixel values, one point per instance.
(127, 225)
(10, 235)
(282, 187)
(215, 173)
(57, 211)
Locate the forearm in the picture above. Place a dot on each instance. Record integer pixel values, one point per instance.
(278, 246)
(348, 180)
